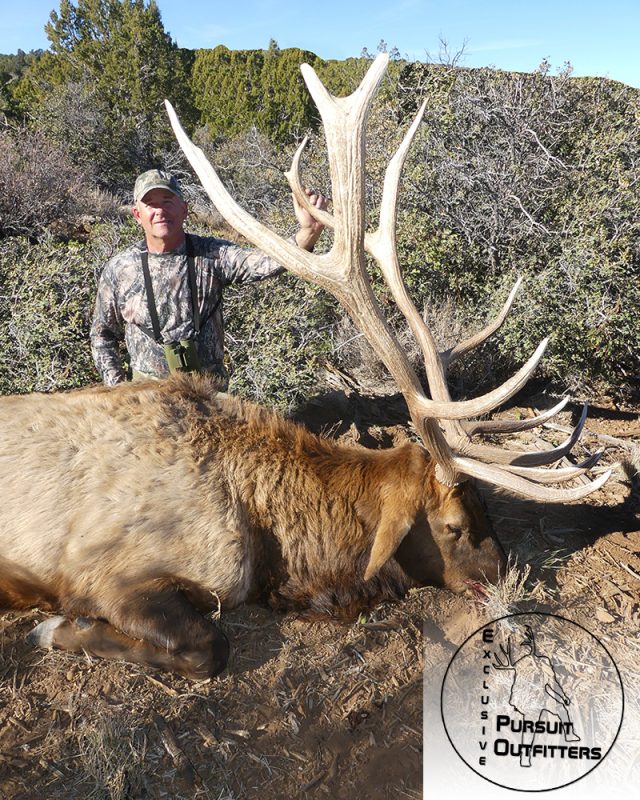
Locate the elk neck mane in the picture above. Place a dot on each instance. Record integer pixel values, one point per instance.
(210, 420)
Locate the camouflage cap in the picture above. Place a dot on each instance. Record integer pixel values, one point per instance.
(155, 179)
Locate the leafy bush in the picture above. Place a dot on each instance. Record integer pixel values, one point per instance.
(278, 336)
(589, 309)
(235, 90)
(45, 307)
(47, 294)
(532, 175)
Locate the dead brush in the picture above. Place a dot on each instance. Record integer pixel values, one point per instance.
(448, 323)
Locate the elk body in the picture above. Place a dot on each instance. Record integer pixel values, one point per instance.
(136, 508)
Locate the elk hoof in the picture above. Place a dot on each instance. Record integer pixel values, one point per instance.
(42, 634)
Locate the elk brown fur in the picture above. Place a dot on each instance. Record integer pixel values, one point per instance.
(135, 509)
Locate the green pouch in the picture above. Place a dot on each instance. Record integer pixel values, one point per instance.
(182, 356)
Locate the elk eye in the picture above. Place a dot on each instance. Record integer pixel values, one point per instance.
(455, 530)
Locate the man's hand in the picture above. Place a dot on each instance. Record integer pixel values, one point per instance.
(310, 228)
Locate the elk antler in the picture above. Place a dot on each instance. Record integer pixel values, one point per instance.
(342, 272)
(506, 660)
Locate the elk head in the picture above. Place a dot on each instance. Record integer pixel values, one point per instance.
(453, 544)
(453, 516)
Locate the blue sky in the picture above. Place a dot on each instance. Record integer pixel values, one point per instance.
(598, 37)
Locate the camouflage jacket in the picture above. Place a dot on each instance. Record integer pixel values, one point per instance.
(121, 309)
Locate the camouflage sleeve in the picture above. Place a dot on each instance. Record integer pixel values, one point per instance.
(239, 265)
(107, 331)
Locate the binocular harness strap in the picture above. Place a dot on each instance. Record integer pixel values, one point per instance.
(151, 301)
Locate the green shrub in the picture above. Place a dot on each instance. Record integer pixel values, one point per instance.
(47, 294)
(278, 336)
(588, 307)
(38, 184)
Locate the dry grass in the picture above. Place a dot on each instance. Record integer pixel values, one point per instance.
(112, 753)
(506, 596)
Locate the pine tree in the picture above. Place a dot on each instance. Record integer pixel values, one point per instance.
(12, 67)
(111, 63)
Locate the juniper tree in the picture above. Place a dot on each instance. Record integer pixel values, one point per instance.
(100, 86)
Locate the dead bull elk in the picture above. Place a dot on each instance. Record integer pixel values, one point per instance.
(135, 509)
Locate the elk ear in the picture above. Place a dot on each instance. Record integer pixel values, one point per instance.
(390, 532)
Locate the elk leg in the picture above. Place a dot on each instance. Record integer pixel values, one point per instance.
(154, 625)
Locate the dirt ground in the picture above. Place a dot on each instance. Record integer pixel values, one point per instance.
(319, 710)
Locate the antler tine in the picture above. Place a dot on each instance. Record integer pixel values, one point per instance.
(382, 246)
(472, 427)
(555, 475)
(293, 177)
(515, 483)
(449, 356)
(345, 126)
(530, 459)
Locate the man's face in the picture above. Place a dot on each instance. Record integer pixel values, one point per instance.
(161, 215)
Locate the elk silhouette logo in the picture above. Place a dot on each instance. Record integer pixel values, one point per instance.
(532, 702)
(536, 694)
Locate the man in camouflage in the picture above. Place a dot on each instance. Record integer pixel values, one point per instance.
(122, 308)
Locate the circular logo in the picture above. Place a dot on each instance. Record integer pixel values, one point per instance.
(532, 702)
